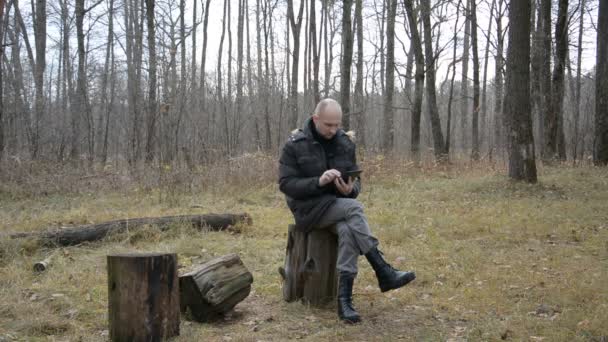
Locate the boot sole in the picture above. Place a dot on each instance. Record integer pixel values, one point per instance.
(386, 289)
(351, 321)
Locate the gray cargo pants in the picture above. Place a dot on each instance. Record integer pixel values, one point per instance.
(346, 219)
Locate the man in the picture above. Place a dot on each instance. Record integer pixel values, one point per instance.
(311, 170)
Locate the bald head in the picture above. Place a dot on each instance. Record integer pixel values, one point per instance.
(327, 118)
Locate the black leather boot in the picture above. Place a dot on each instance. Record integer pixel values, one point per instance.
(388, 277)
(346, 311)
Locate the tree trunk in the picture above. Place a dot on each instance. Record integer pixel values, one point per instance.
(266, 90)
(561, 49)
(359, 100)
(295, 31)
(40, 37)
(239, 68)
(310, 272)
(484, 102)
(204, 54)
(82, 106)
(389, 127)
(498, 80)
(346, 62)
(476, 105)
(577, 93)
(108, 68)
(193, 85)
(451, 96)
(151, 80)
(2, 31)
(535, 64)
(382, 19)
(316, 51)
(522, 165)
(546, 120)
(464, 83)
(419, 80)
(143, 297)
(600, 148)
(220, 95)
(214, 288)
(438, 143)
(327, 70)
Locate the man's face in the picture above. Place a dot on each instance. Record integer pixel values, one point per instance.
(327, 122)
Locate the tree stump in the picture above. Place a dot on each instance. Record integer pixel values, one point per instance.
(214, 288)
(143, 296)
(310, 272)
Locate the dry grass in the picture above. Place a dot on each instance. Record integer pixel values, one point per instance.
(495, 260)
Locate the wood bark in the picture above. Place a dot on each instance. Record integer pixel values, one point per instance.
(193, 72)
(389, 90)
(240, 32)
(67, 87)
(204, 53)
(476, 87)
(326, 50)
(95, 232)
(419, 80)
(577, 92)
(346, 62)
(557, 82)
(316, 52)
(151, 117)
(40, 38)
(143, 297)
(438, 142)
(359, 103)
(547, 144)
(133, 47)
(381, 17)
(214, 288)
(484, 102)
(229, 119)
(522, 165)
(295, 25)
(309, 273)
(107, 101)
(464, 82)
(536, 61)
(498, 80)
(2, 31)
(600, 148)
(82, 105)
(452, 80)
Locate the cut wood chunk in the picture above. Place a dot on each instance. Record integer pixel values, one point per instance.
(215, 287)
(309, 273)
(143, 297)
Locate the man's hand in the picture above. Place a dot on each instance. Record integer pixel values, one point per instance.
(329, 176)
(344, 188)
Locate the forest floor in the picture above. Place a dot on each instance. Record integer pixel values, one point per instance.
(495, 260)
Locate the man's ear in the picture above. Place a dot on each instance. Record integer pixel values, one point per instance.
(315, 117)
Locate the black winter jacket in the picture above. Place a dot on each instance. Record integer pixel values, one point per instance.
(303, 160)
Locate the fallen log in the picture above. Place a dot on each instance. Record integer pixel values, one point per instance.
(214, 288)
(94, 232)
